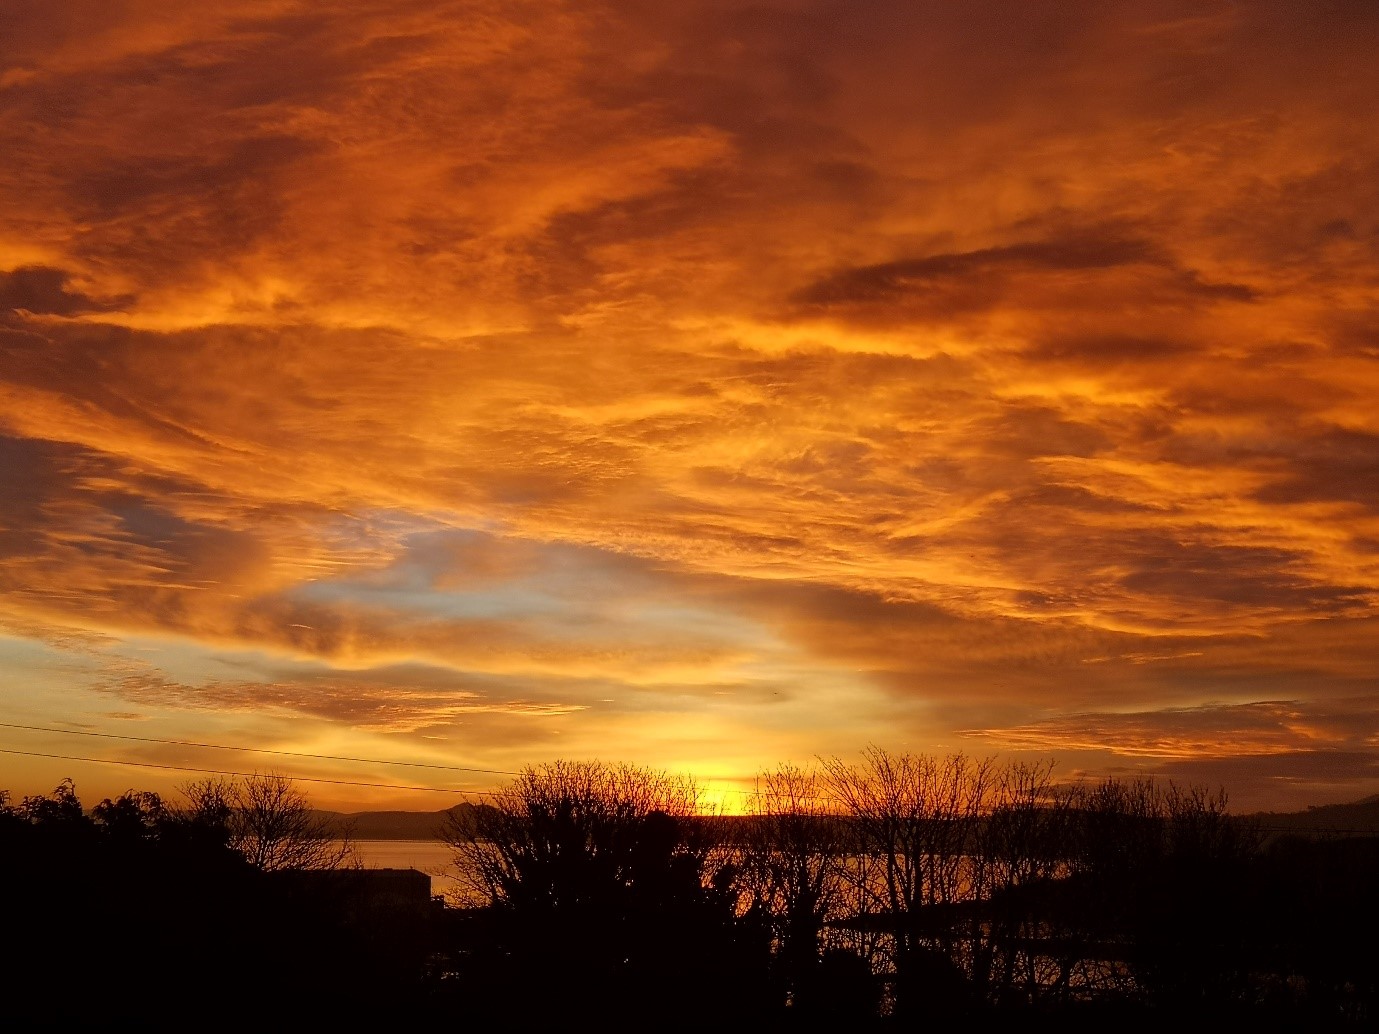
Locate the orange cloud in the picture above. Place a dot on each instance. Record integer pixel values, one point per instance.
(1207, 731)
(938, 365)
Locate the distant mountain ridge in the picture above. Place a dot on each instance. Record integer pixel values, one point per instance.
(1360, 816)
(393, 825)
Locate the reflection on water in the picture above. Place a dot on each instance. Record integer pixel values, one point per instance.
(430, 856)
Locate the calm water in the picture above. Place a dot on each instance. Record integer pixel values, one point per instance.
(430, 856)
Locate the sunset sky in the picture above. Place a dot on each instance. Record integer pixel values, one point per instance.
(703, 385)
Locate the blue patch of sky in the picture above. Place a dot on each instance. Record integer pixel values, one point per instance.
(563, 592)
(191, 663)
(511, 601)
(19, 655)
(555, 584)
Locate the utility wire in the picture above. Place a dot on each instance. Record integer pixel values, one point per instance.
(323, 757)
(256, 750)
(246, 775)
(407, 764)
(482, 793)
(298, 754)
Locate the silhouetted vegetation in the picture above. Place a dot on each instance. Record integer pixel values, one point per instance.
(606, 882)
(268, 821)
(896, 893)
(147, 915)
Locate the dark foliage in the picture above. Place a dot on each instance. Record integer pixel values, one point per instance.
(601, 897)
(136, 916)
(598, 896)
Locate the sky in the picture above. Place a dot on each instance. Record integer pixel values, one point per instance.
(704, 385)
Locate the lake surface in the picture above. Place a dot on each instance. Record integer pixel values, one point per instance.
(432, 857)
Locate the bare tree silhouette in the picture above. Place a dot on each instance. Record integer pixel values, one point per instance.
(605, 884)
(795, 853)
(268, 820)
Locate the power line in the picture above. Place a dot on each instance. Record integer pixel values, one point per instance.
(256, 750)
(322, 757)
(245, 775)
(476, 793)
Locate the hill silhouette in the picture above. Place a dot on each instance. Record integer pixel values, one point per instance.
(393, 825)
(1360, 816)
(1356, 817)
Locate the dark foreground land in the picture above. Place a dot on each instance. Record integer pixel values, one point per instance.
(602, 902)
